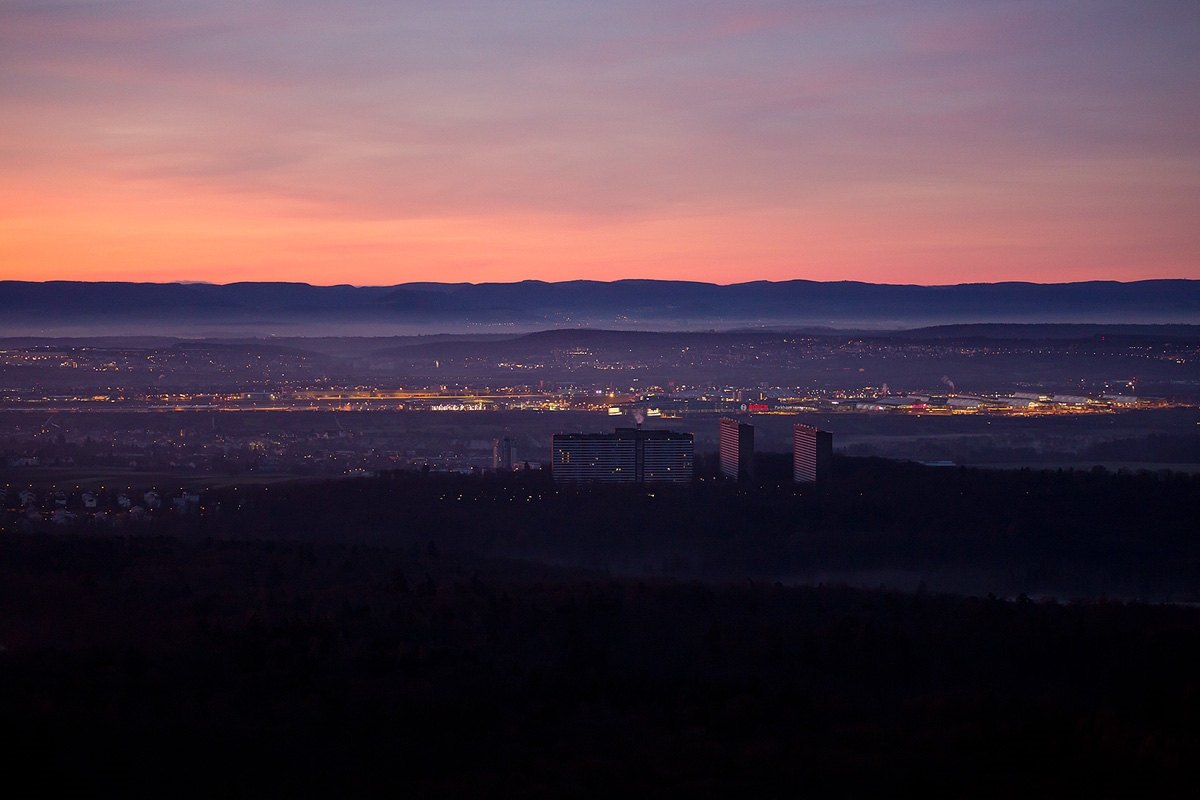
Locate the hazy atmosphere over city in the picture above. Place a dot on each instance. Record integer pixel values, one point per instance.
(551, 399)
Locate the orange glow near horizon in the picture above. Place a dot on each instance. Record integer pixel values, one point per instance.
(366, 144)
(162, 237)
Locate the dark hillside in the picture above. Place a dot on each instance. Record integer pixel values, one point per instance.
(417, 634)
(199, 667)
(278, 308)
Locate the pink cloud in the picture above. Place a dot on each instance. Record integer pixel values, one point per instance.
(852, 135)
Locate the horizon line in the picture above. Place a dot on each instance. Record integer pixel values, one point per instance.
(182, 282)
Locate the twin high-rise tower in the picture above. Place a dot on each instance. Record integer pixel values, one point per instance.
(812, 451)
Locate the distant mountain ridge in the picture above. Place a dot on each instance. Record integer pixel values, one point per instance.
(286, 308)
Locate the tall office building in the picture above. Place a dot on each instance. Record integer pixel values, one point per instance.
(628, 455)
(737, 449)
(812, 454)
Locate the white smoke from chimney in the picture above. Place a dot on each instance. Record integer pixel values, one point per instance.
(946, 380)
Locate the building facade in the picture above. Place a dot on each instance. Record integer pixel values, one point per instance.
(627, 455)
(504, 454)
(812, 454)
(737, 449)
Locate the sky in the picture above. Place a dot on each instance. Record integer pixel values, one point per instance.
(377, 142)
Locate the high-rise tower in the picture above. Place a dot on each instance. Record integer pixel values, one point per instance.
(812, 454)
(737, 449)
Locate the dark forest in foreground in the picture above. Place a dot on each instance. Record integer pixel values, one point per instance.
(270, 669)
(1072, 533)
(409, 634)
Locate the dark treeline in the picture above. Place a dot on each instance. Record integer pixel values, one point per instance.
(1155, 448)
(270, 668)
(1067, 533)
(466, 635)
(1161, 447)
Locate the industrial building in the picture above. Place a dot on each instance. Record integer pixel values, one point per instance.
(737, 449)
(627, 455)
(812, 454)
